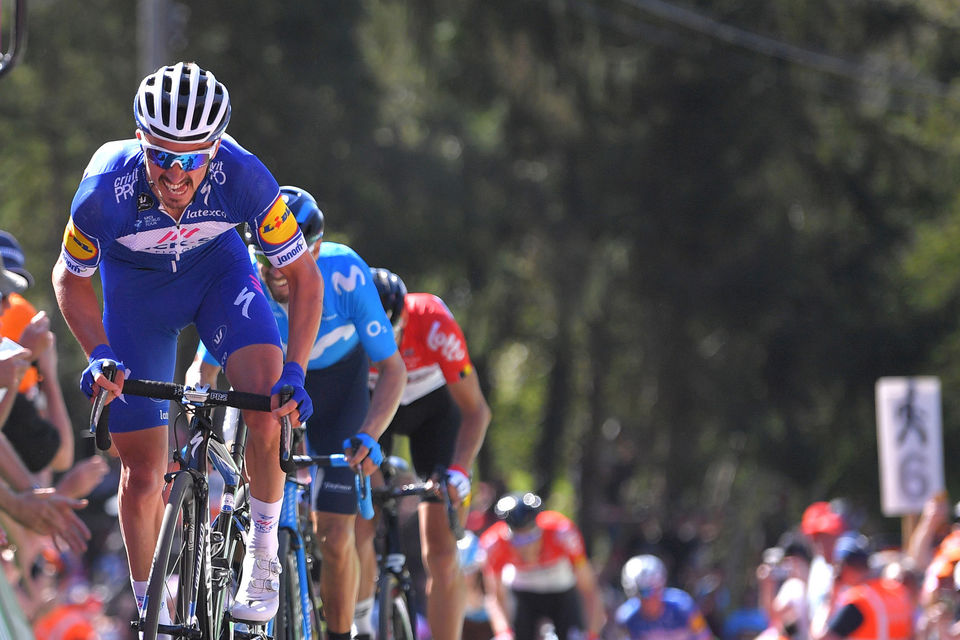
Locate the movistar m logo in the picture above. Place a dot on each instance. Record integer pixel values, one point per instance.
(343, 283)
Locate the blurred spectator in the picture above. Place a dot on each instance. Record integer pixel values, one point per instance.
(866, 607)
(653, 610)
(822, 526)
(932, 527)
(782, 589)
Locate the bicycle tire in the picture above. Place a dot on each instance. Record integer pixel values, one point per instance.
(394, 621)
(290, 614)
(229, 558)
(173, 562)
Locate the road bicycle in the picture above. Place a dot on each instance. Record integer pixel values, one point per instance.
(197, 563)
(395, 595)
(299, 616)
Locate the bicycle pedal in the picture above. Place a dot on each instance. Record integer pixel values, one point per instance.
(248, 631)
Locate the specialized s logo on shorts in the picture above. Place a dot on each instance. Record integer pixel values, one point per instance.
(278, 226)
(81, 248)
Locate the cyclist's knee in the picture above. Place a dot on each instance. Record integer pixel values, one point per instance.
(141, 482)
(441, 563)
(336, 539)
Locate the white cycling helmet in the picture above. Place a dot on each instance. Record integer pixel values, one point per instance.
(642, 575)
(182, 103)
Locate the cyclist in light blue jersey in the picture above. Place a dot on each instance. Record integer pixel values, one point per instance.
(156, 215)
(353, 328)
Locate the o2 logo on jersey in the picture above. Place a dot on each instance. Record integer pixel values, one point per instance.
(79, 246)
(374, 329)
(279, 225)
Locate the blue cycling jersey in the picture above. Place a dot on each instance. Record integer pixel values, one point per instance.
(352, 311)
(115, 218)
(160, 274)
(680, 620)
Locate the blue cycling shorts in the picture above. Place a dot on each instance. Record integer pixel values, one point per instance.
(340, 401)
(144, 311)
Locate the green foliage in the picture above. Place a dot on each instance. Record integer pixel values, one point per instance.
(681, 264)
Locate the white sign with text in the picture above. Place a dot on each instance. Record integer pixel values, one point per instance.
(910, 442)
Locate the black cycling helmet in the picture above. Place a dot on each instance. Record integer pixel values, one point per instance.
(182, 103)
(392, 292)
(519, 510)
(307, 212)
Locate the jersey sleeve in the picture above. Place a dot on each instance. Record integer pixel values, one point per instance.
(446, 342)
(87, 232)
(256, 194)
(278, 234)
(492, 547)
(570, 539)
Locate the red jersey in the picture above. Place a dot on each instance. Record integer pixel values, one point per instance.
(432, 347)
(561, 549)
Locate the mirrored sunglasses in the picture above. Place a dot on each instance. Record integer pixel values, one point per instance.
(188, 161)
(262, 258)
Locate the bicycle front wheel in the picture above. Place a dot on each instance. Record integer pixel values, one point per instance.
(171, 583)
(289, 621)
(394, 621)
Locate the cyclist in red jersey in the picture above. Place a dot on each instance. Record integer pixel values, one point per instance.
(539, 557)
(445, 415)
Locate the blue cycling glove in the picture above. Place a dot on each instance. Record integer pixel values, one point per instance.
(101, 355)
(293, 375)
(375, 454)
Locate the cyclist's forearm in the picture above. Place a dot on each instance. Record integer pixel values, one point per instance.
(474, 419)
(80, 307)
(386, 396)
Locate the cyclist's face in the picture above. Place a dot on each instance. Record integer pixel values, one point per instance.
(275, 280)
(174, 186)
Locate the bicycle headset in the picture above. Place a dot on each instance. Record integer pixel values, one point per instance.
(392, 292)
(519, 511)
(182, 103)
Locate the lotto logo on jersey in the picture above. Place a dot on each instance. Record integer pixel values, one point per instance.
(279, 225)
(449, 345)
(79, 246)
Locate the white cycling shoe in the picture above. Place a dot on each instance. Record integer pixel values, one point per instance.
(258, 597)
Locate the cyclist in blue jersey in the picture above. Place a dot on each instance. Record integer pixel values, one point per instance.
(353, 328)
(654, 611)
(157, 214)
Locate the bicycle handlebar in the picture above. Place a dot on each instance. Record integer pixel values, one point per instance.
(99, 413)
(361, 482)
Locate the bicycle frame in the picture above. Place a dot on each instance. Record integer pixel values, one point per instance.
(293, 492)
(209, 546)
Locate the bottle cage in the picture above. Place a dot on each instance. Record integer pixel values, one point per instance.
(18, 36)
